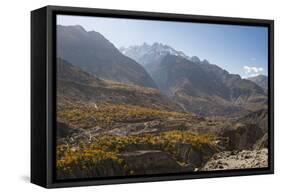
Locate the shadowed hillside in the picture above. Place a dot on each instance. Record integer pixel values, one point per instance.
(93, 53)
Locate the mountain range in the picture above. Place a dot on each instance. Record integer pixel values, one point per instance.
(196, 85)
(193, 84)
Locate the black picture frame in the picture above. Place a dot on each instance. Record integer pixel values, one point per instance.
(43, 98)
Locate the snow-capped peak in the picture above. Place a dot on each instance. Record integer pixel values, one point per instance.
(156, 50)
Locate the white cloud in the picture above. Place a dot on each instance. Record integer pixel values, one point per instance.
(252, 71)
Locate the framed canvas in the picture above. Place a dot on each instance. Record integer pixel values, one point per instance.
(126, 96)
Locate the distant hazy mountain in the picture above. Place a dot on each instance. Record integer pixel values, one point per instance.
(261, 80)
(196, 85)
(92, 52)
(207, 89)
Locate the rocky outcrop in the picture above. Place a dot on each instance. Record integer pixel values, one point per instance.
(242, 136)
(237, 160)
(259, 118)
(196, 156)
(185, 153)
(153, 162)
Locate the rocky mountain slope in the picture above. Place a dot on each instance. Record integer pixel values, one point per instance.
(92, 52)
(207, 89)
(75, 85)
(260, 80)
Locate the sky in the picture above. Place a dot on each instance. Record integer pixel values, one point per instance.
(238, 49)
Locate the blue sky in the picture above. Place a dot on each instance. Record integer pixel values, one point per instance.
(240, 50)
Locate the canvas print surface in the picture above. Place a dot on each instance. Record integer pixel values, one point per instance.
(143, 97)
